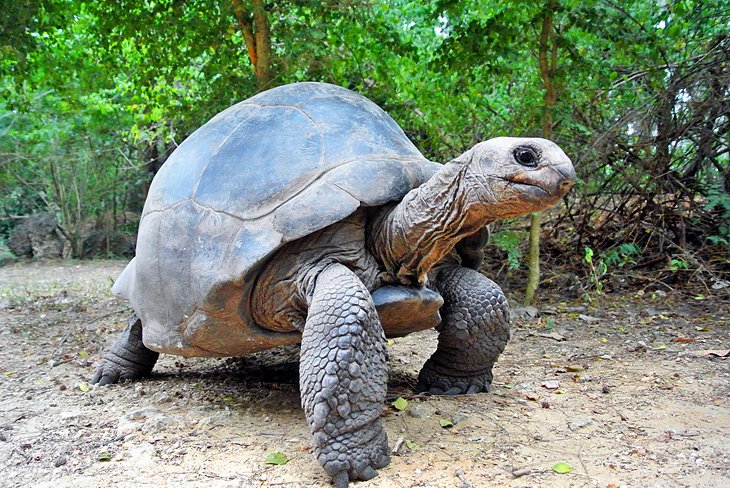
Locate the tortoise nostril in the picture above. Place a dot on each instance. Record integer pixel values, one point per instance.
(566, 184)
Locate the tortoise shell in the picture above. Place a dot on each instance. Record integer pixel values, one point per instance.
(267, 171)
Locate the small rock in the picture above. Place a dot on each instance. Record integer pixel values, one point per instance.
(140, 454)
(234, 484)
(416, 411)
(161, 397)
(719, 284)
(459, 417)
(72, 414)
(60, 461)
(576, 425)
(143, 413)
(126, 427)
(154, 421)
(156, 424)
(215, 420)
(638, 347)
(525, 312)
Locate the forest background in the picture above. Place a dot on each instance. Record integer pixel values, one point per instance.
(95, 95)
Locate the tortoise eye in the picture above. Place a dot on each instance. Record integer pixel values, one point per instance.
(526, 156)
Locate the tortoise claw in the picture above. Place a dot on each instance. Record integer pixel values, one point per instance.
(341, 479)
(105, 374)
(367, 474)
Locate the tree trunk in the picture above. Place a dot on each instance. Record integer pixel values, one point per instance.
(548, 57)
(533, 260)
(254, 25)
(151, 157)
(263, 44)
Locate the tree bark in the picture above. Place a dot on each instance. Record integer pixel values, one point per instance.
(533, 260)
(254, 25)
(548, 59)
(263, 44)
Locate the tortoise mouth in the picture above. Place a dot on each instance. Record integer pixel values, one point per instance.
(554, 184)
(530, 187)
(531, 180)
(525, 186)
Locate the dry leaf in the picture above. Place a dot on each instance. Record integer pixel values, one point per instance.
(551, 335)
(588, 318)
(712, 353)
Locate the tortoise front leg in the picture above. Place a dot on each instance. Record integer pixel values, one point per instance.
(128, 358)
(343, 377)
(472, 334)
(471, 248)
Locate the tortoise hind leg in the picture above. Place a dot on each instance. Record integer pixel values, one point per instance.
(128, 358)
(343, 377)
(472, 335)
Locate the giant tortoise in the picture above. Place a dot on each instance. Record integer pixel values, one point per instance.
(305, 215)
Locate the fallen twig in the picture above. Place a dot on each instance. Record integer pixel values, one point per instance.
(398, 444)
(100, 317)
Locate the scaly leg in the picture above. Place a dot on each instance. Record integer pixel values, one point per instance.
(128, 358)
(472, 335)
(343, 377)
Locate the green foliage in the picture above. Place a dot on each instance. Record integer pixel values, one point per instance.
(596, 270)
(622, 255)
(62, 126)
(400, 404)
(510, 241)
(276, 458)
(719, 202)
(94, 95)
(412, 445)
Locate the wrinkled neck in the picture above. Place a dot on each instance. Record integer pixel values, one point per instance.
(426, 225)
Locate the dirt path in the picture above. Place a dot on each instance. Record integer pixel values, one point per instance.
(607, 390)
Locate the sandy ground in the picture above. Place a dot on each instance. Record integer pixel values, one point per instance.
(629, 391)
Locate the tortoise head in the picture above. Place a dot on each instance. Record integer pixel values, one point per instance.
(516, 176)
